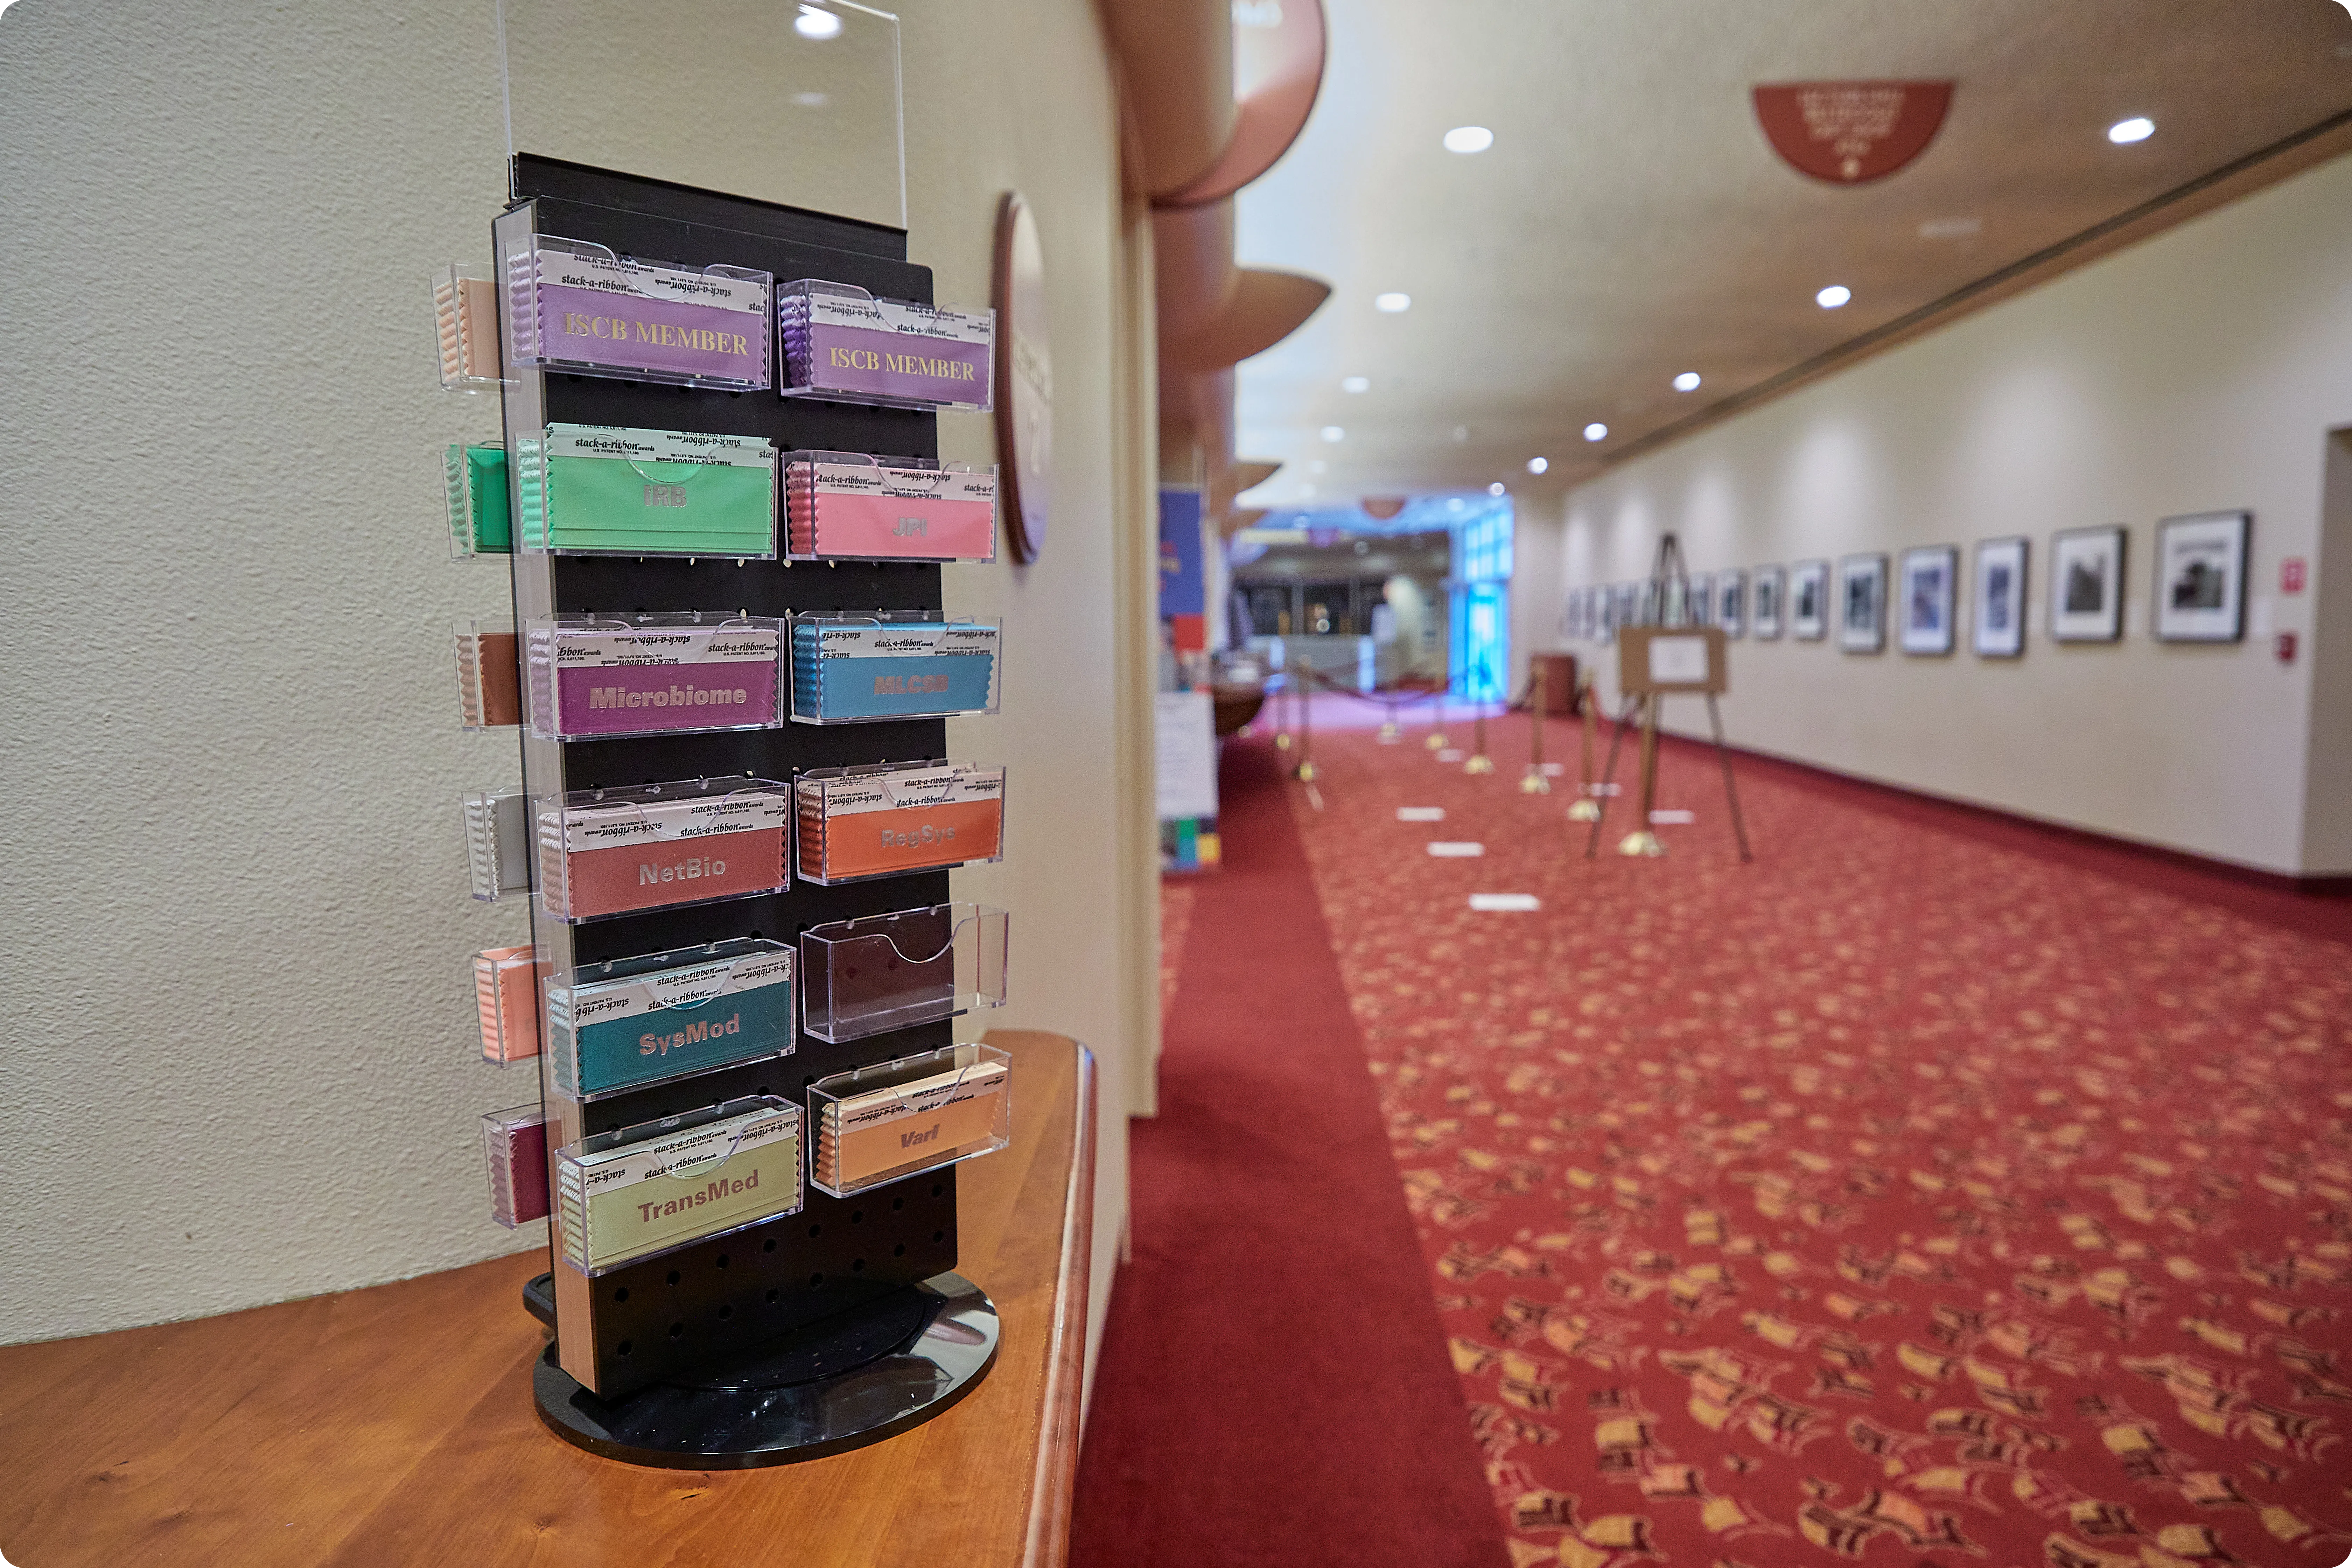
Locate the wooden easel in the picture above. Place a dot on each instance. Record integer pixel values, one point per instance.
(1675, 657)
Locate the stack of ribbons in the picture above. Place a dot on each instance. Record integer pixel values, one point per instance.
(847, 668)
(915, 1114)
(665, 1185)
(515, 1142)
(898, 817)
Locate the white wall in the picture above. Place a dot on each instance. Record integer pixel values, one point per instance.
(2199, 370)
(238, 921)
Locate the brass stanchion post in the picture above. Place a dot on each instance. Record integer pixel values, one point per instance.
(1586, 808)
(1539, 692)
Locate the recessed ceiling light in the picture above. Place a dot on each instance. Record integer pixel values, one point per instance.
(1462, 431)
(1831, 298)
(1391, 304)
(1538, 464)
(1357, 383)
(1686, 382)
(1596, 431)
(811, 100)
(1951, 228)
(1334, 433)
(812, 23)
(1319, 467)
(1469, 139)
(1307, 490)
(1495, 489)
(2138, 128)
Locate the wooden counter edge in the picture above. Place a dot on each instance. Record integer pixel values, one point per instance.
(1055, 1478)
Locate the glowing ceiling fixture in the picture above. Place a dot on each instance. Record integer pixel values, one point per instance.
(1357, 383)
(1596, 431)
(1835, 295)
(1538, 464)
(1391, 304)
(814, 23)
(1686, 382)
(2138, 128)
(1334, 433)
(1495, 489)
(1469, 139)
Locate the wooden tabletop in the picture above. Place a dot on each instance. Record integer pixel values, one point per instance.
(394, 1424)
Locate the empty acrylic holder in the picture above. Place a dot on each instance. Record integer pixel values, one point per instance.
(895, 664)
(497, 844)
(466, 321)
(515, 1139)
(665, 673)
(648, 846)
(580, 307)
(480, 520)
(842, 344)
(849, 506)
(885, 1123)
(506, 986)
(633, 1022)
(589, 489)
(639, 1192)
(895, 817)
(880, 973)
(489, 694)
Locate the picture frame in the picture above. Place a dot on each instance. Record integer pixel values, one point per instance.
(1809, 600)
(1629, 604)
(1768, 593)
(2201, 577)
(1731, 602)
(1929, 593)
(1861, 603)
(2086, 584)
(1998, 626)
(1699, 605)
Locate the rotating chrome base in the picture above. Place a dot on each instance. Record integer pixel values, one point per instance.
(852, 1379)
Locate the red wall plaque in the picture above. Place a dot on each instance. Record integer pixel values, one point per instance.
(1848, 132)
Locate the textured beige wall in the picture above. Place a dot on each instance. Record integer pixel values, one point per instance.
(2199, 371)
(237, 918)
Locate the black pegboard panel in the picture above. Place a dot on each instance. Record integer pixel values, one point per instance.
(673, 1315)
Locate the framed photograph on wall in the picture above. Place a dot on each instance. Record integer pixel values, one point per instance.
(1861, 603)
(2087, 585)
(1629, 604)
(2201, 577)
(1999, 625)
(1702, 599)
(1809, 600)
(1731, 602)
(1770, 582)
(1930, 589)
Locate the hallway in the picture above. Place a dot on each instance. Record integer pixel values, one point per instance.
(1935, 1189)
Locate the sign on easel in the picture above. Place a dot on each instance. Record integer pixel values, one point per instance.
(1661, 660)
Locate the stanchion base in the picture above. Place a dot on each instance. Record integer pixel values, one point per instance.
(1437, 741)
(1535, 784)
(1643, 842)
(1479, 765)
(1585, 811)
(1389, 734)
(1282, 743)
(1306, 772)
(852, 1379)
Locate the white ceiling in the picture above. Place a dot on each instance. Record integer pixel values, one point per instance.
(1630, 222)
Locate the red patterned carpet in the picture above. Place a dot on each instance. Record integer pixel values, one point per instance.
(1917, 1194)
